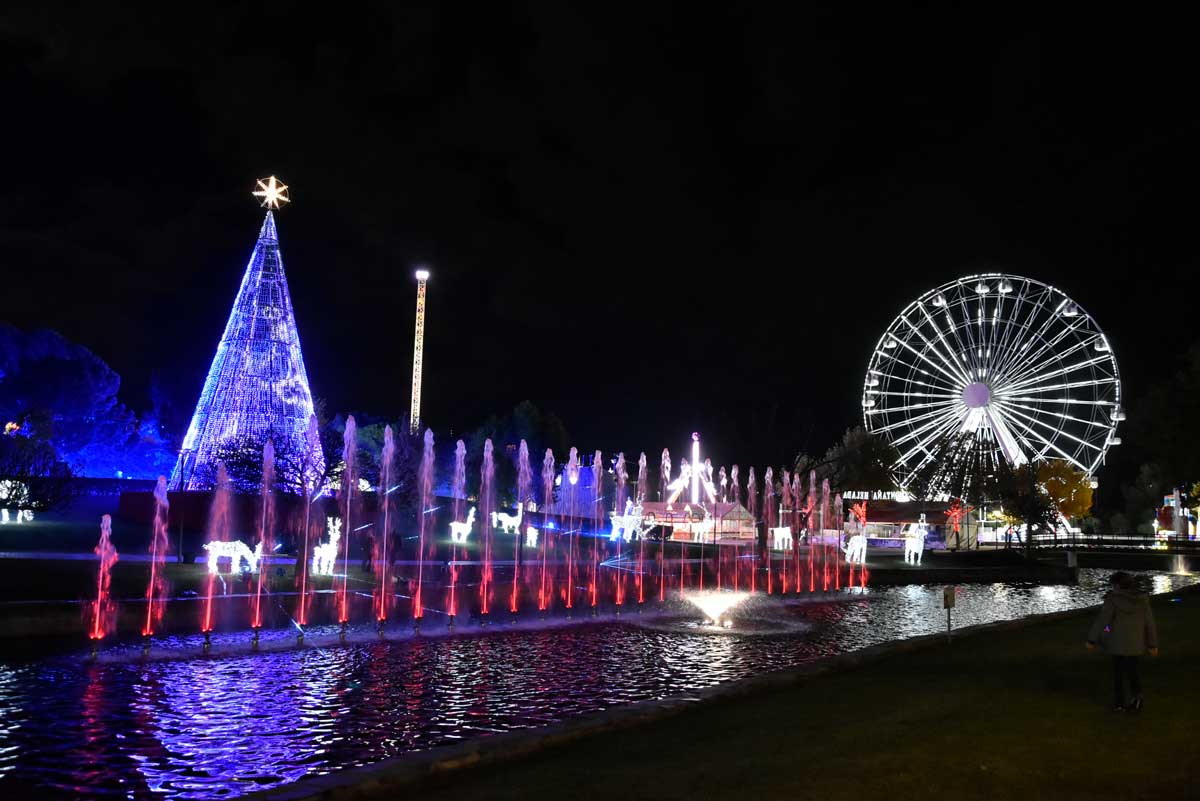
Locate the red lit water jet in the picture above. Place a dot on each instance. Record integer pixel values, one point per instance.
(103, 619)
(597, 509)
(381, 555)
(218, 531)
(524, 489)
(752, 508)
(486, 507)
(156, 588)
(545, 590)
(266, 528)
(769, 523)
(458, 489)
(308, 479)
(424, 522)
(349, 452)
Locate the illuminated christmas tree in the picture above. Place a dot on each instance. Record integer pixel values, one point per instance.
(257, 385)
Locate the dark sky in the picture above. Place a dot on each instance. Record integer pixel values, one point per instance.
(646, 220)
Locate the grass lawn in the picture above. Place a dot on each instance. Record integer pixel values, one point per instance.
(1002, 715)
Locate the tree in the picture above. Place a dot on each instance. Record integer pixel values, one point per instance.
(861, 461)
(62, 393)
(1023, 498)
(1069, 488)
(31, 474)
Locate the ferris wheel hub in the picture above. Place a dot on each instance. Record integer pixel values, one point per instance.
(977, 395)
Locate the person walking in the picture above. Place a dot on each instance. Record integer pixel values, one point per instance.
(1125, 629)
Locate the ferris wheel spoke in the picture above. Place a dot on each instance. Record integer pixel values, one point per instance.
(1071, 368)
(1047, 345)
(1049, 360)
(945, 417)
(883, 394)
(1065, 401)
(953, 382)
(908, 421)
(944, 426)
(1028, 334)
(1044, 424)
(1061, 415)
(1040, 438)
(944, 357)
(1028, 391)
(1014, 323)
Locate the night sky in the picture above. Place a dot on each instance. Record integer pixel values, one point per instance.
(647, 221)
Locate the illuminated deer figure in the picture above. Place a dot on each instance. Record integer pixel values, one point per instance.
(236, 552)
(914, 542)
(325, 554)
(856, 548)
(531, 537)
(508, 524)
(781, 538)
(460, 531)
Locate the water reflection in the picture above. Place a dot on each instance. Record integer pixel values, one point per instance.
(219, 727)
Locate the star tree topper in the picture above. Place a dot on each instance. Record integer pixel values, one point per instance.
(272, 191)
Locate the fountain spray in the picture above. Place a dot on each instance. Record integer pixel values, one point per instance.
(524, 490)
(156, 588)
(266, 527)
(641, 496)
(102, 613)
(218, 531)
(597, 509)
(381, 558)
(544, 588)
(349, 452)
(486, 504)
(458, 488)
(769, 522)
(312, 447)
(752, 508)
(572, 482)
(425, 499)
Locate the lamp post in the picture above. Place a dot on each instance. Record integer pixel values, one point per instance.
(418, 348)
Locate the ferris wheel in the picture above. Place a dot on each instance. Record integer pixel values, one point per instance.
(1003, 366)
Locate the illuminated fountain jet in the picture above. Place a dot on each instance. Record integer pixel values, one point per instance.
(695, 475)
(716, 605)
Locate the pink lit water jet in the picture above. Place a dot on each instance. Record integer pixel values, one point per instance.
(425, 520)
(458, 488)
(349, 484)
(752, 508)
(769, 523)
(524, 490)
(103, 618)
(266, 532)
(486, 507)
(597, 508)
(545, 590)
(381, 555)
(219, 522)
(308, 478)
(156, 588)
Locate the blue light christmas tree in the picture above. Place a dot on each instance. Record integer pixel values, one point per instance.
(257, 385)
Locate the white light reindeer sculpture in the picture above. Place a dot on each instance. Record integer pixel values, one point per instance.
(531, 537)
(508, 524)
(460, 531)
(236, 552)
(325, 554)
(630, 525)
(781, 538)
(914, 542)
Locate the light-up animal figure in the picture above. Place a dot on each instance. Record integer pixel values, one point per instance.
(630, 525)
(856, 547)
(236, 552)
(531, 537)
(781, 538)
(914, 542)
(325, 554)
(460, 531)
(508, 524)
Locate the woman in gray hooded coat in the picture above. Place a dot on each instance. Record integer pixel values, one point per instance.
(1127, 625)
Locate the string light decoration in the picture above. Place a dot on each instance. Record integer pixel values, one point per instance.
(257, 383)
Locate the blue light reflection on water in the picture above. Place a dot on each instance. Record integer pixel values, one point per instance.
(218, 727)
